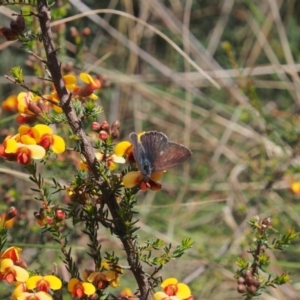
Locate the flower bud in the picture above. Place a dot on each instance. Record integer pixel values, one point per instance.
(251, 289)
(105, 126)
(21, 263)
(241, 280)
(48, 220)
(11, 213)
(74, 32)
(115, 126)
(86, 31)
(94, 296)
(8, 33)
(96, 126)
(41, 104)
(241, 288)
(18, 25)
(267, 222)
(103, 135)
(60, 214)
(33, 107)
(21, 23)
(26, 119)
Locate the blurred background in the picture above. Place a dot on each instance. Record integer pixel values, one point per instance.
(220, 77)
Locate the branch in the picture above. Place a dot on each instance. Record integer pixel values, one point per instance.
(88, 151)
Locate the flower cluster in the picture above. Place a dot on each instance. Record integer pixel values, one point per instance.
(13, 269)
(108, 276)
(50, 215)
(16, 28)
(173, 290)
(106, 133)
(30, 106)
(31, 143)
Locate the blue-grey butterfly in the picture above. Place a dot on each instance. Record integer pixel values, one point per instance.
(153, 152)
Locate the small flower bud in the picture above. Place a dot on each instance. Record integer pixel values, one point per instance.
(248, 275)
(256, 283)
(60, 214)
(115, 126)
(86, 31)
(21, 263)
(11, 213)
(32, 106)
(105, 126)
(103, 135)
(94, 296)
(26, 119)
(241, 280)
(37, 215)
(252, 289)
(8, 33)
(74, 32)
(49, 220)
(267, 222)
(101, 285)
(21, 23)
(241, 288)
(96, 126)
(41, 104)
(18, 25)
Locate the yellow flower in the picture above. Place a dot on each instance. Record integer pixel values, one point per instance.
(35, 296)
(41, 135)
(171, 287)
(43, 283)
(111, 161)
(10, 272)
(78, 288)
(134, 178)
(22, 153)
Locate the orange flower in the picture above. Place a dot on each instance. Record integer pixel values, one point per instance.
(108, 276)
(10, 104)
(8, 223)
(12, 253)
(91, 86)
(78, 288)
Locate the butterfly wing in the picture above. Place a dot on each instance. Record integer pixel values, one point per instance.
(154, 152)
(147, 149)
(172, 155)
(154, 143)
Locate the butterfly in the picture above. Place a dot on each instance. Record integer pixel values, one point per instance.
(153, 152)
